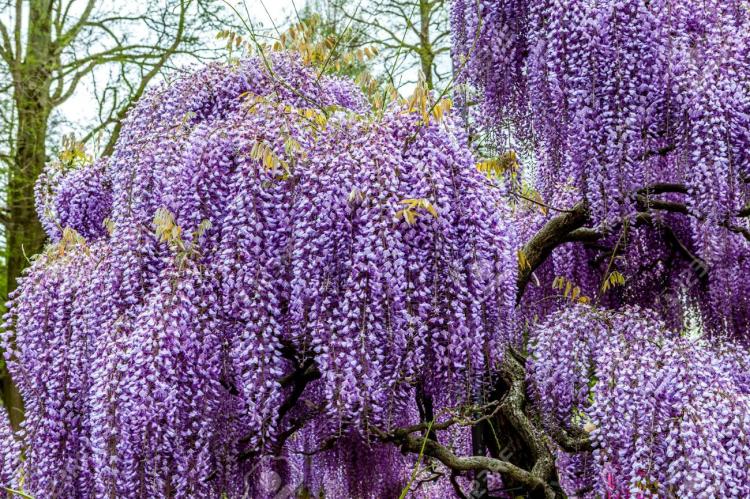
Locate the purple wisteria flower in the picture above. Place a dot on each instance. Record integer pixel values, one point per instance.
(256, 222)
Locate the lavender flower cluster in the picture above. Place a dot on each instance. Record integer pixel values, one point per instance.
(10, 453)
(620, 95)
(669, 415)
(266, 268)
(80, 199)
(258, 218)
(615, 96)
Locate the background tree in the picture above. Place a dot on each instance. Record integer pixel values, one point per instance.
(329, 23)
(410, 35)
(48, 49)
(322, 33)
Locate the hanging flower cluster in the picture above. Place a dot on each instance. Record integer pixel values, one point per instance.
(622, 95)
(79, 198)
(10, 455)
(668, 415)
(254, 219)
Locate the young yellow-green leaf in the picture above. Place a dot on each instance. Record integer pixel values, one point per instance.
(17, 492)
(204, 226)
(357, 196)
(109, 224)
(614, 278)
(425, 204)
(557, 283)
(408, 215)
(421, 203)
(523, 262)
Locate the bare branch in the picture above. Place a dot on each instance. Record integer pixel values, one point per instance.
(6, 50)
(70, 35)
(410, 443)
(146, 79)
(17, 31)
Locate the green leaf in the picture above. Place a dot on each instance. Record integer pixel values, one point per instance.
(418, 464)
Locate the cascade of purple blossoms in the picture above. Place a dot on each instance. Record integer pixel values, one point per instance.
(248, 223)
(10, 455)
(613, 97)
(669, 415)
(79, 198)
(254, 227)
(622, 95)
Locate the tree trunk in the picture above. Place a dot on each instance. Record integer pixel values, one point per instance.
(426, 54)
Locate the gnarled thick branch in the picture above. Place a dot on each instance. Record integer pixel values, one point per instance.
(645, 202)
(556, 231)
(513, 405)
(569, 227)
(539, 475)
(414, 444)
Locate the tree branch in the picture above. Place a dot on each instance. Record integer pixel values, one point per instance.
(664, 151)
(146, 79)
(303, 374)
(662, 187)
(555, 232)
(513, 373)
(410, 443)
(671, 206)
(70, 35)
(568, 441)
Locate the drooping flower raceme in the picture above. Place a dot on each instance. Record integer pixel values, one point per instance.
(265, 269)
(639, 108)
(256, 222)
(10, 455)
(80, 199)
(621, 96)
(668, 415)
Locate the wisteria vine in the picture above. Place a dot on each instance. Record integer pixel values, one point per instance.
(668, 415)
(636, 116)
(270, 284)
(252, 222)
(642, 106)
